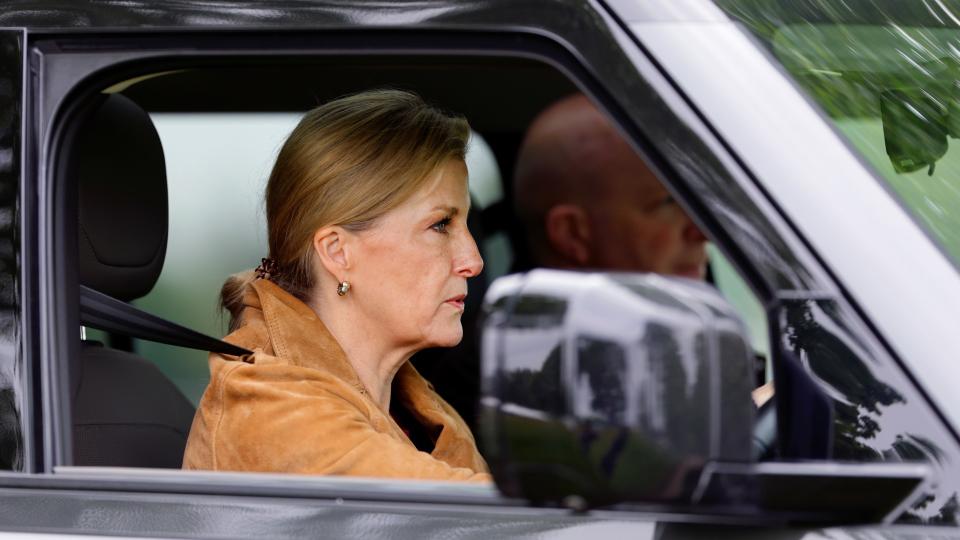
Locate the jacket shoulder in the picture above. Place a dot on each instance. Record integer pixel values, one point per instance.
(249, 403)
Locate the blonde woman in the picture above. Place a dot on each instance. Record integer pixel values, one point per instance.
(369, 260)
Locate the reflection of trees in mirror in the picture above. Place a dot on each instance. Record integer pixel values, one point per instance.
(819, 340)
(541, 389)
(539, 310)
(604, 366)
(948, 514)
(735, 402)
(914, 448)
(634, 466)
(604, 449)
(643, 422)
(815, 332)
(684, 396)
(671, 422)
(548, 455)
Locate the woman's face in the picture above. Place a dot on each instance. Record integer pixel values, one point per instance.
(409, 272)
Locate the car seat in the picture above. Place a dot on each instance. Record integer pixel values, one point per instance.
(125, 411)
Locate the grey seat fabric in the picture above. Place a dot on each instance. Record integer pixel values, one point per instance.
(122, 200)
(125, 411)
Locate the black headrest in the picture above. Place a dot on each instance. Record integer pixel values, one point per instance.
(122, 200)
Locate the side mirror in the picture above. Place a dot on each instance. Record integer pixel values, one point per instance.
(611, 387)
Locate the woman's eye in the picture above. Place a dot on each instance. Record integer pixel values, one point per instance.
(441, 226)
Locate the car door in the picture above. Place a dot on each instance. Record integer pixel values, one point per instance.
(592, 45)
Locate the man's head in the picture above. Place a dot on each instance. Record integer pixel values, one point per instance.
(589, 201)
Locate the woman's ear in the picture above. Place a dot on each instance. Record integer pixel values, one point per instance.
(331, 244)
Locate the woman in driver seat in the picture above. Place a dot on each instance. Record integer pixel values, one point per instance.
(369, 260)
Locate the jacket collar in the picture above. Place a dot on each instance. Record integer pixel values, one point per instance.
(295, 332)
(298, 336)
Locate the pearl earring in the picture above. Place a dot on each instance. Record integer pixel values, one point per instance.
(343, 287)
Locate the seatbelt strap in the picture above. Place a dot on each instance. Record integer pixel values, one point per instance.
(105, 312)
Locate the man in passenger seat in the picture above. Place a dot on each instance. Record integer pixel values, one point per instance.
(588, 200)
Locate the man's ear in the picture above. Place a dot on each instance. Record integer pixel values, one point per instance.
(331, 245)
(568, 231)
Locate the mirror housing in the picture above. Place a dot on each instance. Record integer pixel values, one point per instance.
(604, 388)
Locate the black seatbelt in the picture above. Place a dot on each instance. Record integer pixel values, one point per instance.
(107, 313)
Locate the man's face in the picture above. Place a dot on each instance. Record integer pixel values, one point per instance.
(636, 225)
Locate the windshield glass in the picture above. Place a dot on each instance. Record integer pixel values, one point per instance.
(887, 73)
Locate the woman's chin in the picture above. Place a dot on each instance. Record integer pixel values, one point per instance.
(447, 338)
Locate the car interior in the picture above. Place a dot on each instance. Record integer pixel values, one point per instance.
(132, 400)
(122, 239)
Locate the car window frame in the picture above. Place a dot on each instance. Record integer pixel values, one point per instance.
(64, 103)
(57, 318)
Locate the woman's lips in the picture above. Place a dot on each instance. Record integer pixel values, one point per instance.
(456, 301)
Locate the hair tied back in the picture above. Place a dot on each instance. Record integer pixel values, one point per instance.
(268, 269)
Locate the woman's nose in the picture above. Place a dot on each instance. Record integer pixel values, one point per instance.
(469, 263)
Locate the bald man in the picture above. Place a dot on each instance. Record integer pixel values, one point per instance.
(589, 201)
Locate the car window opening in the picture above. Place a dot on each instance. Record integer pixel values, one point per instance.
(216, 158)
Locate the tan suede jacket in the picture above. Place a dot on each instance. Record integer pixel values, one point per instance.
(296, 405)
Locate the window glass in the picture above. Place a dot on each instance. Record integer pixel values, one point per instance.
(888, 76)
(486, 189)
(217, 168)
(217, 165)
(738, 293)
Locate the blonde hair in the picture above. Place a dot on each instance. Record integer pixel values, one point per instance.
(347, 163)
